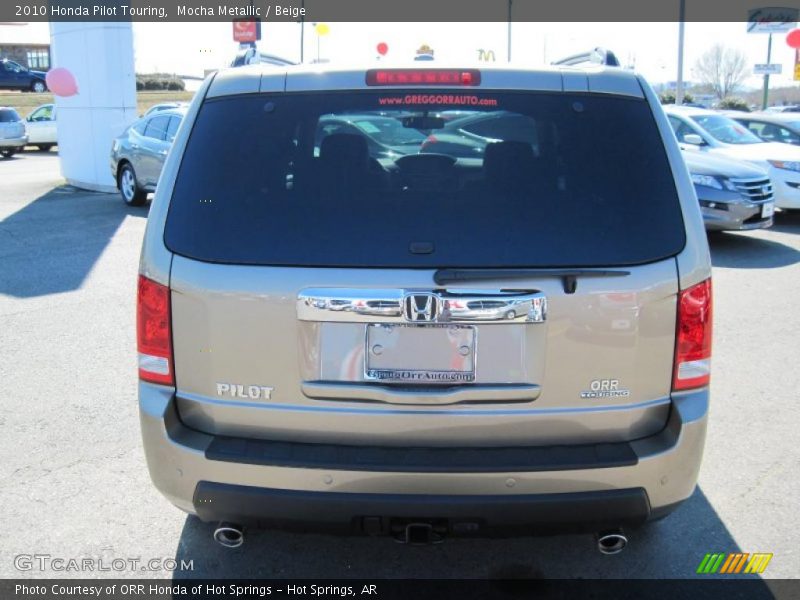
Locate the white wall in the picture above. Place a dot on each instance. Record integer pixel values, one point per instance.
(100, 56)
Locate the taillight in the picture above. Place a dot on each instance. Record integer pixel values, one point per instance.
(693, 338)
(154, 332)
(465, 77)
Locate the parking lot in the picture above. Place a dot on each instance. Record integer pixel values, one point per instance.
(76, 485)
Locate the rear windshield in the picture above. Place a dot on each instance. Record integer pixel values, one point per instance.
(434, 179)
(8, 115)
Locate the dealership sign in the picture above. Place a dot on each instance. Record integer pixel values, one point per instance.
(767, 69)
(773, 19)
(245, 30)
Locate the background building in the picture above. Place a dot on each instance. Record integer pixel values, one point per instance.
(33, 56)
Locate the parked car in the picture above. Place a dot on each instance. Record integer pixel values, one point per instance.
(386, 137)
(733, 194)
(164, 106)
(708, 131)
(786, 108)
(13, 76)
(41, 127)
(12, 132)
(772, 127)
(301, 361)
(468, 135)
(137, 156)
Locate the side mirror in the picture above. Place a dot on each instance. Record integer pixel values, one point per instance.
(694, 139)
(29, 119)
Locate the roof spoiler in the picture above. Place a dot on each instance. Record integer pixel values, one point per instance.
(596, 56)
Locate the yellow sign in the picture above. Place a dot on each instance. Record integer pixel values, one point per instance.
(797, 65)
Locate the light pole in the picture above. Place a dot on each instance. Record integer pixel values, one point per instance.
(681, 23)
(509, 29)
(302, 30)
(766, 75)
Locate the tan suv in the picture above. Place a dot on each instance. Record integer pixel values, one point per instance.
(339, 332)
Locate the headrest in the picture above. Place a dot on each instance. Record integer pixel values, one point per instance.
(345, 148)
(508, 159)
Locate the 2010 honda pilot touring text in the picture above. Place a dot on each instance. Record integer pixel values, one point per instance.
(339, 331)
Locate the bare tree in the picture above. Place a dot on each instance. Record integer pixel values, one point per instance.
(723, 69)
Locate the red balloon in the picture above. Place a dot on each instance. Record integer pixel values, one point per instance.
(383, 48)
(793, 38)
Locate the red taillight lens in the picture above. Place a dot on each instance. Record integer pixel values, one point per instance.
(153, 332)
(693, 338)
(466, 77)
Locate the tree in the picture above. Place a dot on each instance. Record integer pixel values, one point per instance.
(733, 104)
(723, 69)
(669, 98)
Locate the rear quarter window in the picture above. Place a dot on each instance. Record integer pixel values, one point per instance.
(581, 180)
(8, 115)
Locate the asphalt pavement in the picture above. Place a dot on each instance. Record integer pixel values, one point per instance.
(75, 483)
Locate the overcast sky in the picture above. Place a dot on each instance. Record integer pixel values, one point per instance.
(189, 48)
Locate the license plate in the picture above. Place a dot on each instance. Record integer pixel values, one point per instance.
(424, 354)
(767, 210)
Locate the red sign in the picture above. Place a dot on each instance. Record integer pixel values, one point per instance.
(246, 31)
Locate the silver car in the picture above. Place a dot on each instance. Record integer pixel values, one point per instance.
(493, 345)
(138, 155)
(733, 195)
(13, 137)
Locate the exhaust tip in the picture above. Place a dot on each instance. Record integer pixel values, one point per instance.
(229, 535)
(611, 542)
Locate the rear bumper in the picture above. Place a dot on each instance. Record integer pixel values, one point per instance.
(16, 142)
(383, 514)
(279, 487)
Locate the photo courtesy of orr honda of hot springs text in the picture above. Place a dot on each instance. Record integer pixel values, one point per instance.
(425, 302)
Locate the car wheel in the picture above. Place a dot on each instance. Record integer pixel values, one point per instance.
(44, 147)
(39, 86)
(132, 194)
(511, 315)
(8, 152)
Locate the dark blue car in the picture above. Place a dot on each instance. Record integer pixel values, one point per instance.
(14, 76)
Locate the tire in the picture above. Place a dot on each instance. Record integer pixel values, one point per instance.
(511, 315)
(129, 188)
(38, 86)
(44, 147)
(8, 152)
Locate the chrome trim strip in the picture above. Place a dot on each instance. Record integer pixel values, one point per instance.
(387, 306)
(455, 412)
(320, 390)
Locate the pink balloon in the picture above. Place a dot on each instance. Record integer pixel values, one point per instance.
(793, 39)
(383, 48)
(61, 82)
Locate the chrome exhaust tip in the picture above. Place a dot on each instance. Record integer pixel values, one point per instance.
(229, 535)
(611, 542)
